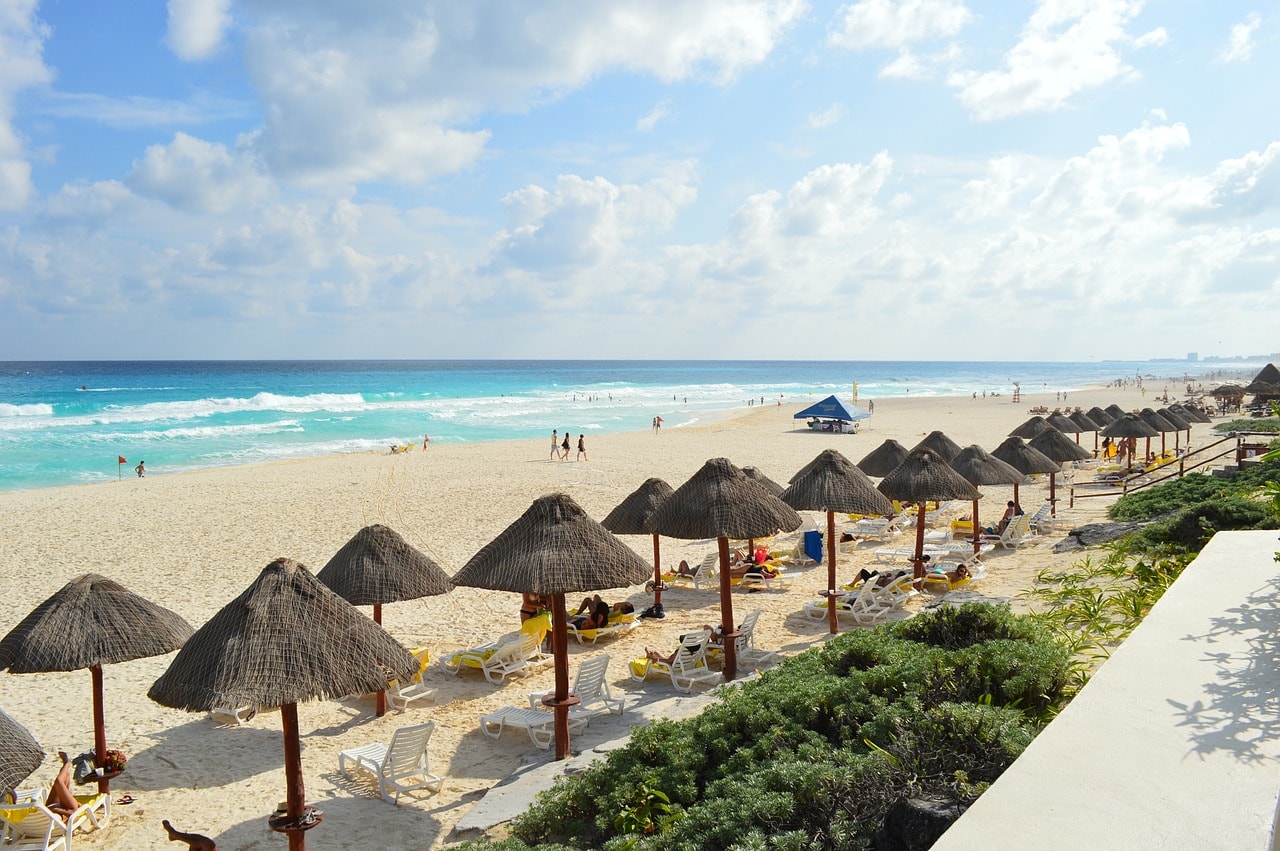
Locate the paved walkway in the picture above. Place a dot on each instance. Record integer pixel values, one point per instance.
(1175, 742)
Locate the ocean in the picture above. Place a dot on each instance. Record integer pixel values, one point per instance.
(68, 422)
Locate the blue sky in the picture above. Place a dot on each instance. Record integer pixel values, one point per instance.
(882, 179)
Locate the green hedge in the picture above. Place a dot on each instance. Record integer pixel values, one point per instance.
(813, 753)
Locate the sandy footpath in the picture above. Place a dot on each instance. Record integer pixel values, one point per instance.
(194, 541)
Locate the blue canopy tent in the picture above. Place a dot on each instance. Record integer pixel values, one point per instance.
(831, 414)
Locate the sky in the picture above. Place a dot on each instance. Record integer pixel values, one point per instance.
(767, 179)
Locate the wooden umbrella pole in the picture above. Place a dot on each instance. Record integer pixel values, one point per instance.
(657, 572)
(380, 702)
(1053, 498)
(833, 618)
(726, 614)
(560, 651)
(977, 535)
(296, 794)
(99, 728)
(918, 572)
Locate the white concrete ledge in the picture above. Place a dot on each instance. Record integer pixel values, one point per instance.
(1175, 742)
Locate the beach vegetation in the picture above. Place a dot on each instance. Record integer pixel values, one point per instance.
(815, 752)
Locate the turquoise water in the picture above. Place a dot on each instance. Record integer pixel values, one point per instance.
(67, 422)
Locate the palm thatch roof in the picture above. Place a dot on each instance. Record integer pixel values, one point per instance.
(831, 482)
(719, 501)
(1115, 411)
(754, 474)
(979, 467)
(1031, 428)
(1062, 423)
(884, 459)
(1228, 391)
(1175, 418)
(1157, 422)
(553, 548)
(1083, 421)
(1024, 458)
(924, 475)
(1190, 412)
(286, 639)
(939, 443)
(1269, 375)
(20, 753)
(630, 515)
(1058, 447)
(378, 566)
(91, 621)
(1100, 416)
(1129, 425)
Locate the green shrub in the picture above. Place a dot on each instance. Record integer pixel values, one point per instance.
(1192, 528)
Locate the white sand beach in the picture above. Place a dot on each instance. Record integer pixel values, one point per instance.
(193, 541)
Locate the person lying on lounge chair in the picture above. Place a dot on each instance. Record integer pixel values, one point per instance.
(596, 614)
(60, 799)
(655, 656)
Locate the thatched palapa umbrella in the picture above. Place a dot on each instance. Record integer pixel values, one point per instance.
(1178, 421)
(285, 640)
(378, 566)
(832, 483)
(1082, 421)
(1099, 416)
(1028, 461)
(939, 443)
(92, 621)
(1115, 411)
(979, 467)
(20, 754)
(921, 477)
(1030, 428)
(1159, 423)
(884, 459)
(630, 515)
(720, 502)
(754, 474)
(1130, 426)
(1191, 413)
(1055, 446)
(1266, 383)
(1062, 423)
(552, 549)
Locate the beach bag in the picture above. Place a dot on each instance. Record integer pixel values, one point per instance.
(83, 770)
(654, 611)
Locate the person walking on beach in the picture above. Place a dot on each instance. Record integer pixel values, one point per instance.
(141, 469)
(426, 438)
(564, 446)
(555, 444)
(582, 448)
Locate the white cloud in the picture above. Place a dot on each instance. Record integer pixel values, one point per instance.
(22, 38)
(135, 111)
(1066, 47)
(197, 27)
(913, 66)
(897, 23)
(197, 176)
(827, 117)
(351, 96)
(1249, 185)
(649, 120)
(1239, 46)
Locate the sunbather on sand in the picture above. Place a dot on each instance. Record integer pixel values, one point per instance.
(60, 799)
(597, 613)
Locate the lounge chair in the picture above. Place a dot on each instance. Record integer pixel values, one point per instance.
(701, 575)
(687, 669)
(515, 651)
(749, 656)
(1014, 535)
(402, 766)
(400, 695)
(591, 688)
(31, 826)
(869, 603)
(539, 723)
(618, 624)
(233, 716)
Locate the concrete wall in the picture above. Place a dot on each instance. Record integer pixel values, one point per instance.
(1175, 742)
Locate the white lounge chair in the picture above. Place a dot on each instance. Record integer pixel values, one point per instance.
(701, 576)
(233, 716)
(1014, 535)
(402, 766)
(686, 669)
(618, 624)
(869, 602)
(592, 690)
(538, 723)
(31, 826)
(749, 655)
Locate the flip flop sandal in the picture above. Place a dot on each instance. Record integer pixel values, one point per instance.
(127, 799)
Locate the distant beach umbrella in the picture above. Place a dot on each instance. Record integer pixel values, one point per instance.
(754, 474)
(1159, 423)
(376, 567)
(285, 640)
(720, 502)
(20, 754)
(1180, 421)
(1031, 428)
(1081, 419)
(1115, 411)
(1190, 413)
(630, 516)
(1024, 458)
(1130, 426)
(832, 483)
(924, 476)
(884, 459)
(1100, 416)
(939, 443)
(1267, 377)
(92, 621)
(1062, 423)
(554, 549)
(1055, 445)
(979, 467)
